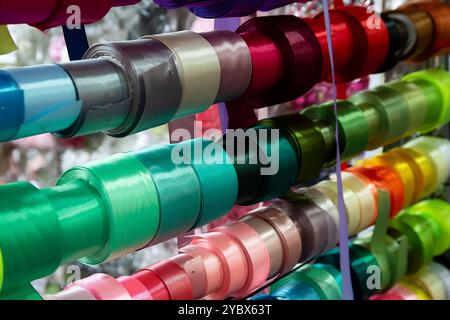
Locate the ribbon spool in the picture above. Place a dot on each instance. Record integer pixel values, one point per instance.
(293, 288)
(157, 290)
(199, 67)
(301, 58)
(352, 206)
(142, 217)
(175, 279)
(341, 38)
(73, 293)
(148, 108)
(256, 252)
(271, 240)
(194, 268)
(392, 110)
(1, 270)
(211, 163)
(103, 287)
(60, 110)
(30, 12)
(416, 101)
(411, 31)
(213, 267)
(164, 171)
(430, 283)
(418, 230)
(353, 126)
(398, 41)
(440, 80)
(402, 291)
(12, 113)
(444, 276)
(233, 260)
(310, 222)
(234, 57)
(424, 25)
(288, 234)
(371, 39)
(221, 9)
(135, 288)
(438, 151)
(103, 108)
(306, 139)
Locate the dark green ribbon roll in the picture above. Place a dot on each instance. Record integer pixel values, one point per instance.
(26, 292)
(353, 126)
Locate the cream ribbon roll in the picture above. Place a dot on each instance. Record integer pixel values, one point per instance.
(199, 66)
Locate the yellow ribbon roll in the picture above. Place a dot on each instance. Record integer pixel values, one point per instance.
(7, 44)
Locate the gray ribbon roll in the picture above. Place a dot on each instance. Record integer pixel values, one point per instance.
(103, 90)
(234, 57)
(154, 83)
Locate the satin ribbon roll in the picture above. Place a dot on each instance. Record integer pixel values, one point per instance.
(195, 269)
(310, 221)
(440, 80)
(103, 287)
(430, 283)
(439, 213)
(211, 163)
(273, 4)
(367, 196)
(271, 240)
(327, 205)
(398, 41)
(396, 162)
(176, 280)
(213, 266)
(12, 113)
(234, 57)
(232, 8)
(386, 179)
(425, 29)
(135, 288)
(443, 274)
(400, 292)
(143, 61)
(256, 252)
(156, 287)
(304, 136)
(103, 108)
(233, 260)
(416, 101)
(90, 12)
(353, 126)
(7, 44)
(371, 39)
(198, 65)
(30, 12)
(1, 270)
(43, 112)
(288, 233)
(294, 289)
(301, 58)
(73, 293)
(353, 208)
(403, 20)
(418, 230)
(438, 151)
(164, 171)
(341, 38)
(142, 217)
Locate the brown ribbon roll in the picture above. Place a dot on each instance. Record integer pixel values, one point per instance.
(194, 268)
(270, 237)
(234, 58)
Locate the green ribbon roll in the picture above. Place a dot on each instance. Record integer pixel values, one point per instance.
(130, 199)
(212, 165)
(353, 126)
(440, 80)
(26, 292)
(307, 140)
(178, 190)
(1, 270)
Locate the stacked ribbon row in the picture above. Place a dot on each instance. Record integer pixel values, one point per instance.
(235, 259)
(119, 88)
(89, 212)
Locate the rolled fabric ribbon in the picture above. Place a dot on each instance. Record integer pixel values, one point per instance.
(412, 34)
(61, 107)
(430, 283)
(256, 252)
(443, 275)
(353, 126)
(234, 57)
(135, 288)
(232, 257)
(271, 239)
(101, 110)
(199, 67)
(294, 289)
(13, 107)
(7, 42)
(176, 280)
(195, 269)
(154, 284)
(232, 8)
(1, 270)
(75, 293)
(30, 12)
(213, 267)
(103, 287)
(148, 108)
(402, 291)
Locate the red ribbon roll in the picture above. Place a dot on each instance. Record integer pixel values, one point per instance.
(195, 269)
(135, 288)
(154, 284)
